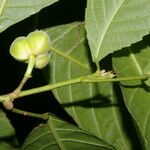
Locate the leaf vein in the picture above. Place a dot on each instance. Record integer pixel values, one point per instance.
(94, 16)
(64, 33)
(93, 112)
(83, 142)
(107, 26)
(54, 133)
(71, 96)
(132, 97)
(2, 7)
(132, 56)
(75, 46)
(119, 128)
(146, 122)
(54, 78)
(48, 145)
(69, 58)
(27, 144)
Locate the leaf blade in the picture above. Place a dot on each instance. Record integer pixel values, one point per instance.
(6, 128)
(88, 104)
(112, 25)
(136, 96)
(57, 134)
(12, 12)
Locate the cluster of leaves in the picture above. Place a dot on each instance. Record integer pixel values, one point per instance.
(99, 109)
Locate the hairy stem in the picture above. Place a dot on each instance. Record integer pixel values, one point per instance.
(84, 79)
(27, 75)
(49, 87)
(30, 67)
(98, 67)
(26, 113)
(92, 80)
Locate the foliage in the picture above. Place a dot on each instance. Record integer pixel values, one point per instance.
(57, 134)
(103, 109)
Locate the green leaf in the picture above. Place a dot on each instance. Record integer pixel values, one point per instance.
(92, 106)
(8, 146)
(6, 128)
(59, 135)
(14, 11)
(146, 70)
(131, 62)
(7, 134)
(114, 24)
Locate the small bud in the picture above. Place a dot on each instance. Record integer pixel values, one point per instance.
(108, 74)
(19, 49)
(39, 42)
(42, 60)
(8, 105)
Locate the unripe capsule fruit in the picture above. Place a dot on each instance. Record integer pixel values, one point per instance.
(36, 43)
(42, 60)
(19, 49)
(39, 42)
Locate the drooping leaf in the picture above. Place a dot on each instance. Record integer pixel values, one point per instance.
(7, 134)
(114, 24)
(92, 106)
(131, 62)
(57, 134)
(14, 11)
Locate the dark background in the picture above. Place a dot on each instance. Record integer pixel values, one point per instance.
(12, 71)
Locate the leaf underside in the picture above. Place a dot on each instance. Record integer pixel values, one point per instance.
(14, 11)
(131, 62)
(59, 135)
(93, 106)
(114, 24)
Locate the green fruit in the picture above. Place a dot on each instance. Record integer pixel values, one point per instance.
(39, 42)
(42, 60)
(19, 49)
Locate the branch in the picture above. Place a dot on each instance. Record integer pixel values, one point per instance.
(44, 116)
(84, 79)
